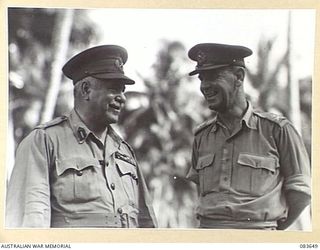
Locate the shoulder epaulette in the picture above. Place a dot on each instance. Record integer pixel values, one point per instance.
(278, 119)
(53, 122)
(204, 125)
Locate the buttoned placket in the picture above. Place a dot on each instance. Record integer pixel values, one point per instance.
(109, 169)
(110, 147)
(227, 154)
(98, 149)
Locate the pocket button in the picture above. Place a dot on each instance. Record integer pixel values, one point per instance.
(113, 186)
(79, 173)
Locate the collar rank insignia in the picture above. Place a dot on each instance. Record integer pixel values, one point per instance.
(82, 134)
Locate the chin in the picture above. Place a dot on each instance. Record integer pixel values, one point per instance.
(219, 109)
(111, 120)
(214, 107)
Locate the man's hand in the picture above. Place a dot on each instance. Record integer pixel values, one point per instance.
(297, 201)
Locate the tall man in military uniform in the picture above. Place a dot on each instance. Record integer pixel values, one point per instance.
(75, 171)
(251, 168)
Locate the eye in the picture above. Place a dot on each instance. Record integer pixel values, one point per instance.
(117, 89)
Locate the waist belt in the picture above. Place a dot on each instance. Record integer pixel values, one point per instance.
(86, 220)
(226, 224)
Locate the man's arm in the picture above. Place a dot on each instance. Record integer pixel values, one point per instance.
(295, 168)
(146, 215)
(297, 201)
(28, 196)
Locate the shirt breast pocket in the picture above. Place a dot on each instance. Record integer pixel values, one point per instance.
(255, 174)
(207, 174)
(129, 177)
(77, 179)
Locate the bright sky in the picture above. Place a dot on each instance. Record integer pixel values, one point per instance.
(140, 30)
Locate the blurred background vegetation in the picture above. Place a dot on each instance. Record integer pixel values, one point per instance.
(158, 122)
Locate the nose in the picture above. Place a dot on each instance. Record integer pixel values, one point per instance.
(204, 85)
(121, 98)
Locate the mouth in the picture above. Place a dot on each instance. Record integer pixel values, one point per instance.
(115, 107)
(211, 94)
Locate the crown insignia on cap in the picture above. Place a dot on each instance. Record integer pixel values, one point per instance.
(201, 57)
(119, 64)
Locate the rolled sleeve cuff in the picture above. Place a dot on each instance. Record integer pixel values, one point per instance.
(299, 183)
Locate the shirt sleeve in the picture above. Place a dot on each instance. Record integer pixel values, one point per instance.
(146, 215)
(192, 174)
(294, 160)
(28, 194)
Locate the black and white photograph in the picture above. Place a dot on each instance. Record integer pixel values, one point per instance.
(149, 118)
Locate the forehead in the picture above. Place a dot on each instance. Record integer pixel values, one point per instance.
(213, 72)
(109, 83)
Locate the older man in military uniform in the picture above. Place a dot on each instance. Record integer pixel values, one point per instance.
(75, 171)
(251, 168)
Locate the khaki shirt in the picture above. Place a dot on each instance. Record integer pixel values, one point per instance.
(64, 176)
(243, 176)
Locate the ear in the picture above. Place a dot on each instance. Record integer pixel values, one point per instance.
(239, 74)
(85, 89)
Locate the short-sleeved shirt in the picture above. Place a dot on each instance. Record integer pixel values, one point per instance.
(244, 176)
(64, 172)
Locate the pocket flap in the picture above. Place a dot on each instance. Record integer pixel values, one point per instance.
(256, 161)
(76, 163)
(126, 168)
(205, 161)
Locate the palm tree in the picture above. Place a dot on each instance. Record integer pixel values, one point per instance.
(160, 130)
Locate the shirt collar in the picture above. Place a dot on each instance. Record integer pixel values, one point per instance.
(116, 138)
(81, 131)
(248, 119)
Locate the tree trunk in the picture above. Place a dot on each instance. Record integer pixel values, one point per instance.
(61, 35)
(303, 222)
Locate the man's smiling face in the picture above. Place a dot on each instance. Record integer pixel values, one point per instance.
(218, 88)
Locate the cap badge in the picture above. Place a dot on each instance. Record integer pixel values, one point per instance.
(201, 57)
(119, 64)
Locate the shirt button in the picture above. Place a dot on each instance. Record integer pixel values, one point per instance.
(120, 210)
(79, 173)
(225, 178)
(113, 186)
